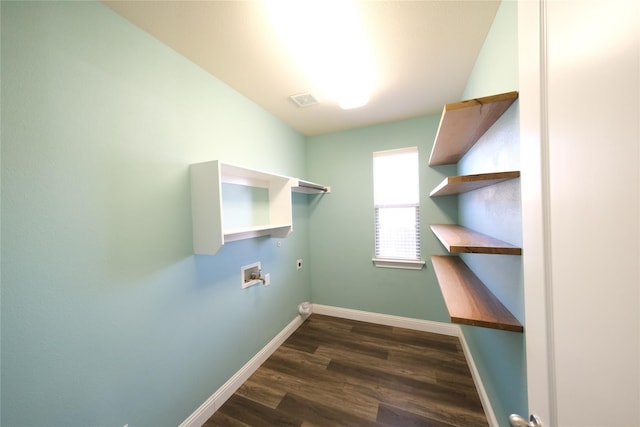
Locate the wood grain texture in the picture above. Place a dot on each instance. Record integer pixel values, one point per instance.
(458, 239)
(461, 184)
(463, 123)
(340, 372)
(468, 300)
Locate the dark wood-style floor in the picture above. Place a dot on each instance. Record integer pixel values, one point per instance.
(339, 372)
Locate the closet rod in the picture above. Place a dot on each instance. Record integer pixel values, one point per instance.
(311, 185)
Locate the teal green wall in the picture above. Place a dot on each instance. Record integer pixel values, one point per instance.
(107, 317)
(244, 206)
(342, 226)
(496, 211)
(496, 68)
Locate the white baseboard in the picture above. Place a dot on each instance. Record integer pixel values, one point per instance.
(217, 399)
(389, 320)
(208, 408)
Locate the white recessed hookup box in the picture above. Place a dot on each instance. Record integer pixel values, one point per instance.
(250, 275)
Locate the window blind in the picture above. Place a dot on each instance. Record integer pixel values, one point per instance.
(397, 204)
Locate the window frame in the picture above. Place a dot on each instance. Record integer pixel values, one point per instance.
(389, 262)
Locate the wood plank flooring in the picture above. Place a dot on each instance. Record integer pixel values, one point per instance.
(339, 372)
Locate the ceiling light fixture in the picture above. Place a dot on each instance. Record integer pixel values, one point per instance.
(328, 42)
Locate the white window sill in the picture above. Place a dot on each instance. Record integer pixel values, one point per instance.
(405, 264)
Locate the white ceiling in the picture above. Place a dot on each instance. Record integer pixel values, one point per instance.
(424, 50)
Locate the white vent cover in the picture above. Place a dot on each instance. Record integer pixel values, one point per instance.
(304, 99)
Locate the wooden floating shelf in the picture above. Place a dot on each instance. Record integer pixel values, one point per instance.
(458, 239)
(462, 184)
(468, 300)
(463, 123)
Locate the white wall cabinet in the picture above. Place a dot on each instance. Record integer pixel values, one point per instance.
(211, 230)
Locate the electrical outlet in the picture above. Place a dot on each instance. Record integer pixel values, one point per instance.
(267, 279)
(299, 264)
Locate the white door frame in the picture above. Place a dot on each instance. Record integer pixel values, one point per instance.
(579, 77)
(535, 209)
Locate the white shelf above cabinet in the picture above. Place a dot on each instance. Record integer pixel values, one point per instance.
(233, 174)
(233, 234)
(207, 210)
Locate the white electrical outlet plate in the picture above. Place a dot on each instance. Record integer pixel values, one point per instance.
(267, 279)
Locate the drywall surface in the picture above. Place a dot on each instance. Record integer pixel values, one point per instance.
(593, 150)
(107, 316)
(496, 211)
(496, 68)
(342, 226)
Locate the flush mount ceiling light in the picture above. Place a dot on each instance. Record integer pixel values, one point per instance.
(328, 42)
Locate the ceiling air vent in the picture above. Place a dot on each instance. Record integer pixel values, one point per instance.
(304, 100)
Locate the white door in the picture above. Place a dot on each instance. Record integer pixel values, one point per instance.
(580, 138)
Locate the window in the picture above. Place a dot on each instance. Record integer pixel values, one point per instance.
(396, 198)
